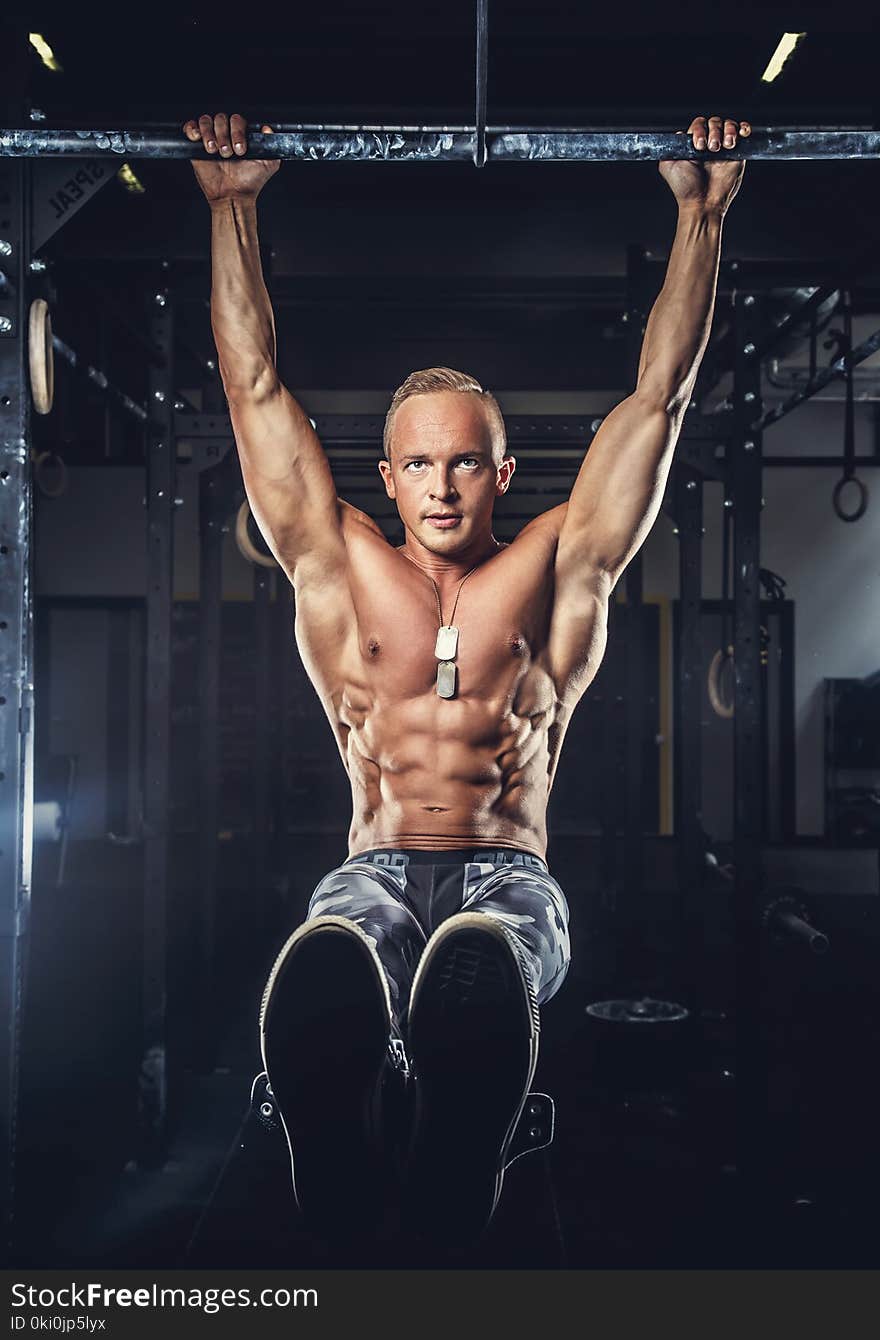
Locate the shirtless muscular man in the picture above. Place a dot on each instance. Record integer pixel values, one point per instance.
(449, 669)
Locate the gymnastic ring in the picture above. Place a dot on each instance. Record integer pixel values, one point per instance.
(40, 461)
(246, 546)
(41, 358)
(719, 706)
(862, 506)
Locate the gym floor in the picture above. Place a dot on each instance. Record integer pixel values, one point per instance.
(643, 1168)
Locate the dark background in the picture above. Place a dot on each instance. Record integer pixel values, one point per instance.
(516, 273)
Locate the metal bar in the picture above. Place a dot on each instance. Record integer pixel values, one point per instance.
(323, 143)
(155, 1077)
(838, 368)
(482, 79)
(787, 924)
(99, 379)
(805, 310)
(16, 668)
(534, 429)
(823, 462)
(855, 265)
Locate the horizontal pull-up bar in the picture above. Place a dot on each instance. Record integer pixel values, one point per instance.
(329, 143)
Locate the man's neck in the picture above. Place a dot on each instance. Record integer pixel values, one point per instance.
(438, 566)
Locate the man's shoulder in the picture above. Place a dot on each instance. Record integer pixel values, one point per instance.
(546, 526)
(355, 522)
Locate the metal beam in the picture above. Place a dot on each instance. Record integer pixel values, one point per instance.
(154, 1075)
(748, 761)
(838, 368)
(398, 144)
(99, 380)
(687, 487)
(639, 298)
(16, 664)
(480, 147)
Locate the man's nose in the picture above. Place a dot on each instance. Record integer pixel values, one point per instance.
(441, 483)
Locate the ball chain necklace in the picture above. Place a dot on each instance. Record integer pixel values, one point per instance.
(446, 646)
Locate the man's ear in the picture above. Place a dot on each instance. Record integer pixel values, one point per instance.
(387, 478)
(505, 474)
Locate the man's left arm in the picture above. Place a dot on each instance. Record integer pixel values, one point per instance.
(619, 489)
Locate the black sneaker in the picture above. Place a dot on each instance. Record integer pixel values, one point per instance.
(325, 1034)
(473, 1045)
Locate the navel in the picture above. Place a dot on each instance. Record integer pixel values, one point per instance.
(373, 647)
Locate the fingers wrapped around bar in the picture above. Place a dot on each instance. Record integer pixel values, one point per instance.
(717, 132)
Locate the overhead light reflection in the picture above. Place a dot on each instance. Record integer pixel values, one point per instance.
(44, 51)
(130, 181)
(787, 44)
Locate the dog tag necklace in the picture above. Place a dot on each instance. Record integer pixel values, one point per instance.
(446, 646)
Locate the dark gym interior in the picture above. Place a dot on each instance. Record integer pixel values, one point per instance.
(715, 821)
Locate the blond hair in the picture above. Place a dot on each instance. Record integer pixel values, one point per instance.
(442, 379)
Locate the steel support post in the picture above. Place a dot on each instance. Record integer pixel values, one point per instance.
(220, 494)
(287, 761)
(263, 731)
(155, 1090)
(610, 795)
(634, 789)
(210, 610)
(687, 485)
(16, 657)
(482, 75)
(787, 734)
(748, 761)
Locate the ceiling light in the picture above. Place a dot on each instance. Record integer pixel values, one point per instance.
(130, 181)
(787, 44)
(44, 51)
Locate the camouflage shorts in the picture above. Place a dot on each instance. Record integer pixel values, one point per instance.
(399, 898)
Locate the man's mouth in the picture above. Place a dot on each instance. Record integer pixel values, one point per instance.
(443, 520)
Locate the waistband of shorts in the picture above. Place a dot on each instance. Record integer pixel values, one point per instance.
(402, 857)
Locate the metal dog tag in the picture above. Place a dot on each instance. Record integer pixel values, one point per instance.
(446, 679)
(446, 647)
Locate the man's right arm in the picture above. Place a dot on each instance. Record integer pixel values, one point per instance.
(286, 474)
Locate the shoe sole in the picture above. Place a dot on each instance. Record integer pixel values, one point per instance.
(325, 1019)
(473, 1031)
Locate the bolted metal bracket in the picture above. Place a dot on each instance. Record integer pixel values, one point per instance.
(535, 1127)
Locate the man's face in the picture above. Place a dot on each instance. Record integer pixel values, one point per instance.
(443, 474)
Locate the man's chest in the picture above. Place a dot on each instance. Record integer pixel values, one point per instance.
(478, 641)
(518, 635)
